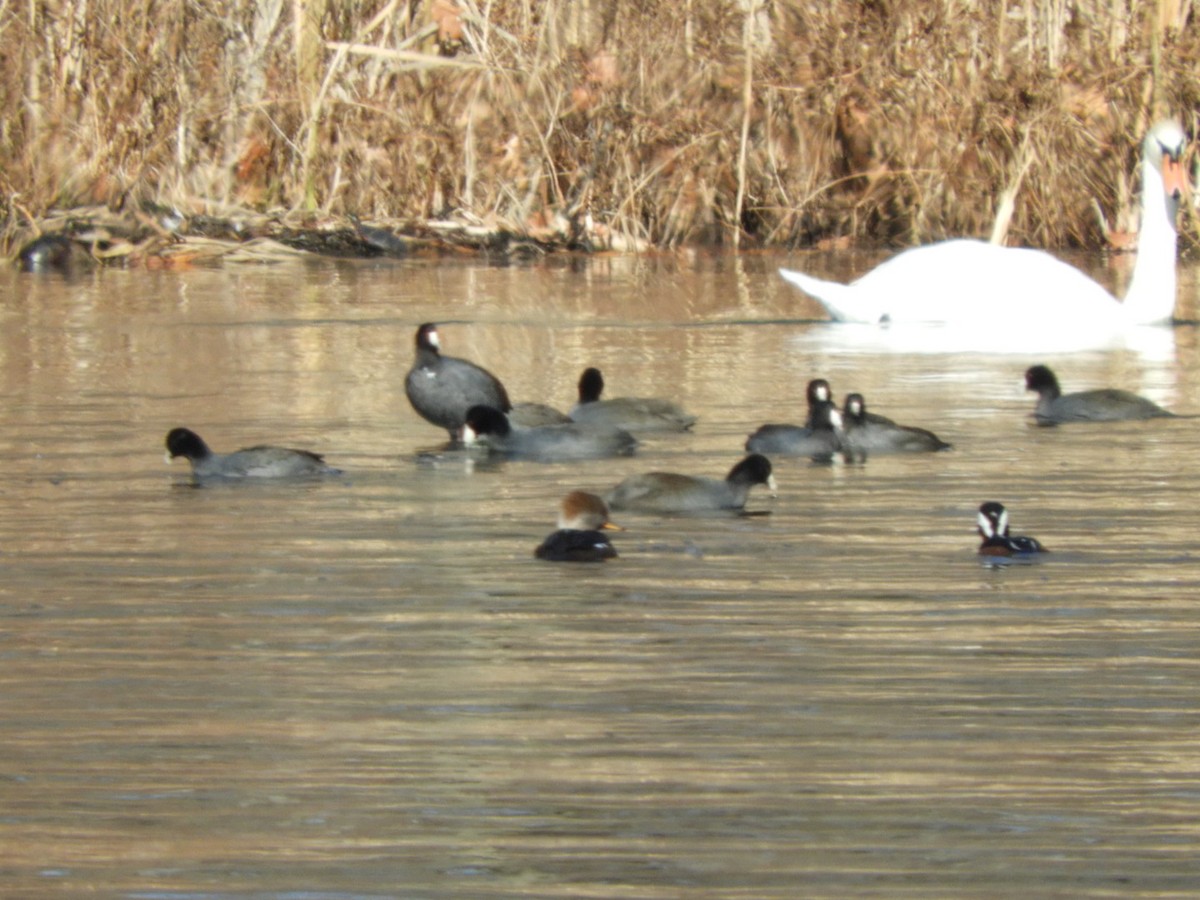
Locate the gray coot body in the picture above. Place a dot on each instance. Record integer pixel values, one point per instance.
(867, 434)
(668, 492)
(992, 524)
(531, 415)
(630, 413)
(1102, 405)
(490, 427)
(252, 462)
(819, 437)
(582, 520)
(442, 388)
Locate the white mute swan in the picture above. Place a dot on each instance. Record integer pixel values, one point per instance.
(972, 282)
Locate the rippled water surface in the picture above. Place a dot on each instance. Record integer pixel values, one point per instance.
(367, 687)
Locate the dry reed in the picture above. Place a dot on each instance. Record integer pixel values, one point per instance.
(624, 123)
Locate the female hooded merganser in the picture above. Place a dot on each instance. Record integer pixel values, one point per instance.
(442, 388)
(866, 433)
(667, 492)
(252, 462)
(489, 426)
(993, 528)
(1102, 405)
(630, 413)
(820, 437)
(582, 518)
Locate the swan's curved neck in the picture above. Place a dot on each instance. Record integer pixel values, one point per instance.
(1150, 299)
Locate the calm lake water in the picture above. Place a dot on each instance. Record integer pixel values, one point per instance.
(367, 687)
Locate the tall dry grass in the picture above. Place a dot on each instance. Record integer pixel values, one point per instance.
(662, 121)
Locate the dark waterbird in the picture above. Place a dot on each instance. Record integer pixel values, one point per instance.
(820, 437)
(442, 388)
(669, 492)
(866, 434)
(252, 462)
(992, 523)
(1100, 405)
(582, 521)
(490, 427)
(630, 413)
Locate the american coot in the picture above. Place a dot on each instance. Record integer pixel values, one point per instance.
(820, 437)
(867, 434)
(252, 462)
(966, 282)
(1103, 405)
(667, 492)
(993, 528)
(490, 427)
(442, 388)
(630, 413)
(582, 519)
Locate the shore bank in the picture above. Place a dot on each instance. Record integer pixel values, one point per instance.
(584, 126)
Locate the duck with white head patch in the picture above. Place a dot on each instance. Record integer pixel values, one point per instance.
(992, 524)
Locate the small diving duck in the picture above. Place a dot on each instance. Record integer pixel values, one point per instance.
(582, 520)
(252, 462)
(993, 528)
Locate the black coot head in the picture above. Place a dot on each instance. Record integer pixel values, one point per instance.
(591, 385)
(754, 469)
(186, 443)
(487, 420)
(1038, 378)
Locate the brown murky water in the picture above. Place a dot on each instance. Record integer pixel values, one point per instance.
(366, 687)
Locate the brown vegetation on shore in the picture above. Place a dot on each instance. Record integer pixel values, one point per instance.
(591, 123)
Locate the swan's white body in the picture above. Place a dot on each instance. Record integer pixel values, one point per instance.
(966, 282)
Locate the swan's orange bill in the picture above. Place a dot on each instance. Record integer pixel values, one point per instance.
(1174, 177)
